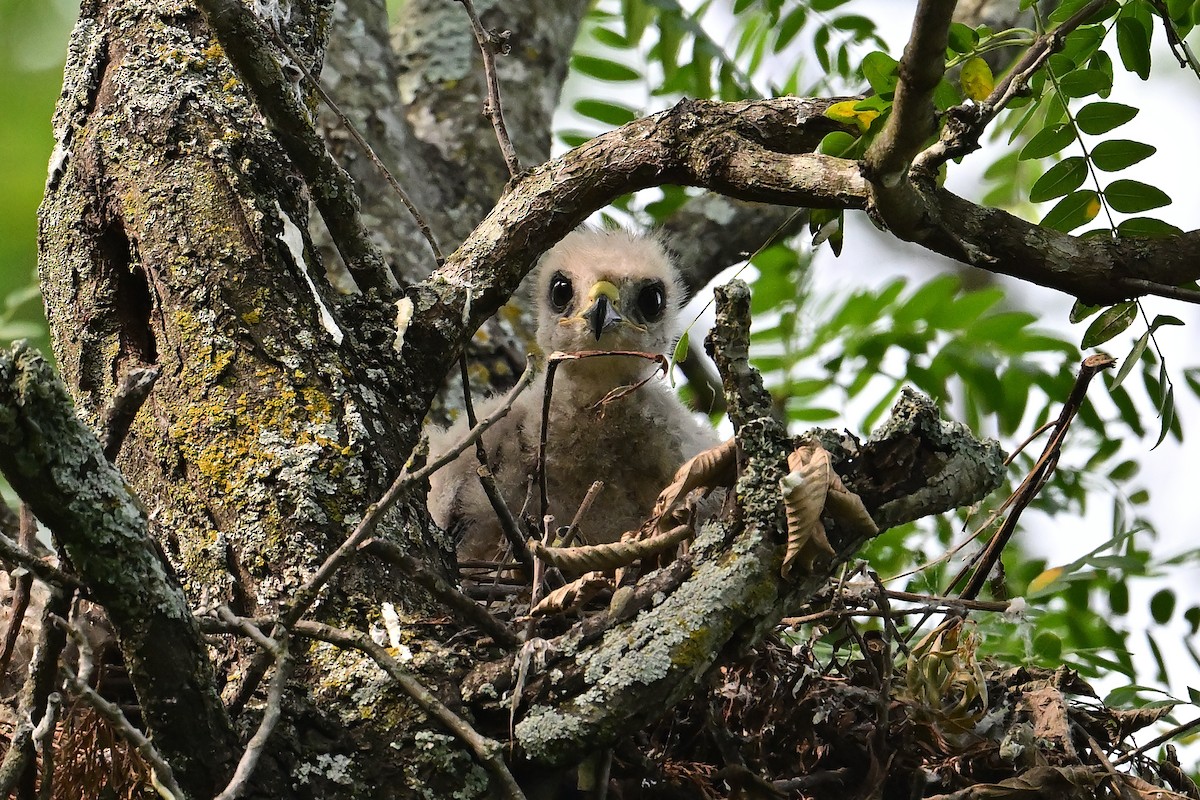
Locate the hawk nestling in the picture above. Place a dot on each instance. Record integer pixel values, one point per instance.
(595, 290)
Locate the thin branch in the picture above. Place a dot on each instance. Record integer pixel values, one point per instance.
(271, 715)
(35, 694)
(487, 480)
(1024, 494)
(241, 36)
(491, 43)
(966, 123)
(48, 574)
(464, 607)
(1178, 730)
(486, 750)
(372, 156)
(161, 776)
(1139, 286)
(22, 586)
(307, 594)
(912, 118)
(126, 403)
(584, 506)
(43, 742)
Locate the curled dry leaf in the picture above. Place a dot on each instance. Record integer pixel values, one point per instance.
(811, 488)
(575, 593)
(805, 489)
(710, 469)
(608, 556)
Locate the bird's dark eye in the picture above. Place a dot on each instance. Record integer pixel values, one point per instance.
(560, 292)
(652, 301)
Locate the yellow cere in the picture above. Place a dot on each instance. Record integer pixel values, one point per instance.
(603, 288)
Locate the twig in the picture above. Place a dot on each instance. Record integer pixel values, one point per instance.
(35, 694)
(22, 586)
(161, 776)
(1120, 787)
(486, 479)
(345, 122)
(1037, 477)
(1140, 286)
(965, 124)
(584, 506)
(43, 742)
(50, 575)
(271, 715)
(252, 629)
(911, 121)
(464, 607)
(126, 403)
(551, 368)
(1178, 730)
(485, 749)
(307, 594)
(491, 43)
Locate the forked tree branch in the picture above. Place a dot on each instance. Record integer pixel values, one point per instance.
(754, 150)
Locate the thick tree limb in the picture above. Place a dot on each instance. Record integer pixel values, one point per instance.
(749, 150)
(56, 465)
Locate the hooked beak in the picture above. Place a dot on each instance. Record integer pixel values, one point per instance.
(603, 314)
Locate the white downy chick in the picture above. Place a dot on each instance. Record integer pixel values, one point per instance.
(595, 290)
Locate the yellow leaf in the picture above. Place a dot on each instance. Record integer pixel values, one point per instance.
(845, 112)
(1093, 208)
(976, 80)
(1044, 580)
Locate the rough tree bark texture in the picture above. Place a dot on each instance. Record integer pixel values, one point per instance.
(175, 233)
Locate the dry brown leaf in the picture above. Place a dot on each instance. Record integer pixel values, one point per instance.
(714, 467)
(608, 556)
(848, 509)
(575, 593)
(804, 490)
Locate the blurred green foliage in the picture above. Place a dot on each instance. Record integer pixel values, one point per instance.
(33, 46)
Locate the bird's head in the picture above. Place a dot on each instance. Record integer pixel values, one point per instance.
(607, 290)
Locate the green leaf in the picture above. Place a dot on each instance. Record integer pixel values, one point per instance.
(1148, 227)
(1167, 411)
(789, 27)
(604, 69)
(1077, 208)
(1118, 598)
(1130, 360)
(1048, 141)
(1102, 117)
(1162, 606)
(1065, 176)
(681, 349)
(881, 71)
(826, 5)
(1117, 154)
(608, 113)
(1133, 44)
(1114, 320)
(1130, 197)
(962, 38)
(1083, 82)
(837, 144)
(1048, 645)
(1081, 311)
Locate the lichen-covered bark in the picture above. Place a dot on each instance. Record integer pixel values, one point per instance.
(57, 466)
(172, 234)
